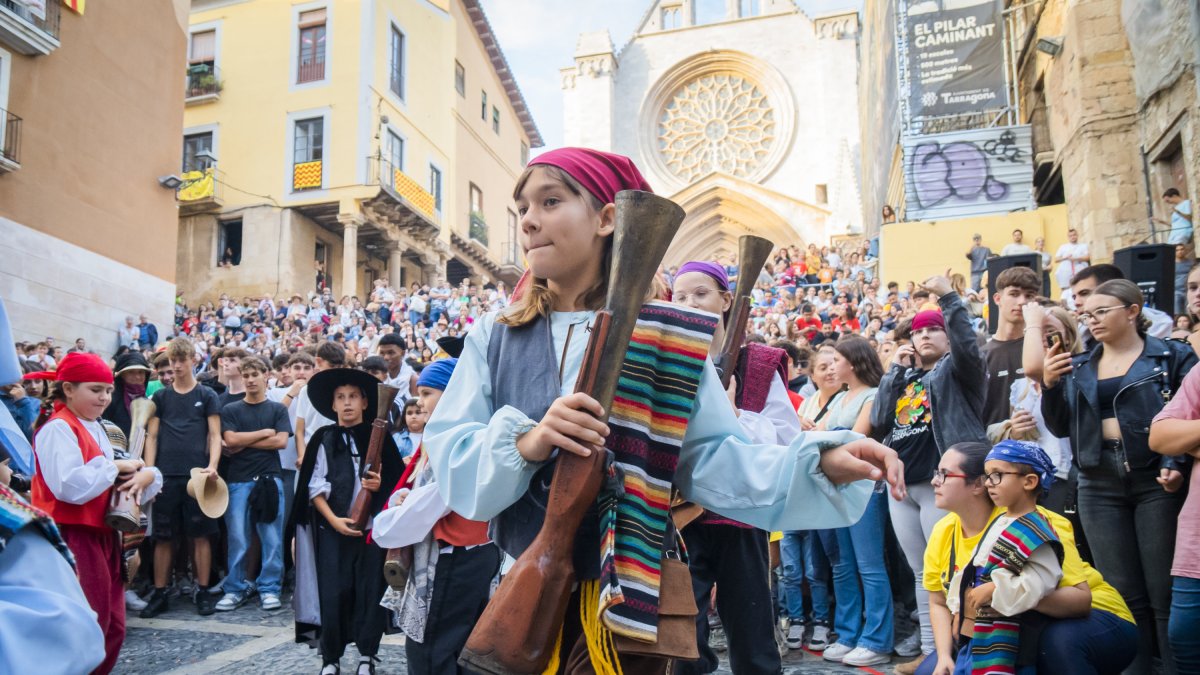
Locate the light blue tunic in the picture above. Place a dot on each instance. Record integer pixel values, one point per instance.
(472, 448)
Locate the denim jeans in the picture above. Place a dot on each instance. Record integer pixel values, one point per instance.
(415, 317)
(1185, 624)
(237, 522)
(1130, 524)
(804, 559)
(863, 617)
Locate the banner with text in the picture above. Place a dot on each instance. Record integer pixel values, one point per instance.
(955, 56)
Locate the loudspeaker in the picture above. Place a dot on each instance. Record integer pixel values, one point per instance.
(997, 265)
(1152, 268)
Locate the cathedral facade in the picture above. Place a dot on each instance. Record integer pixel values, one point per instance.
(745, 112)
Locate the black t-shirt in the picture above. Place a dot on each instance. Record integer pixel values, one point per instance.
(183, 428)
(1003, 359)
(912, 435)
(241, 416)
(225, 398)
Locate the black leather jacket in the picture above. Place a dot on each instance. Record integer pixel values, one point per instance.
(1072, 407)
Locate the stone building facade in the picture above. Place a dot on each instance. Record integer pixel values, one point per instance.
(91, 107)
(1110, 88)
(745, 113)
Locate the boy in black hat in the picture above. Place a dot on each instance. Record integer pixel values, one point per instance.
(339, 578)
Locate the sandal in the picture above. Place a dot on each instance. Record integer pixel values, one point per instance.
(367, 662)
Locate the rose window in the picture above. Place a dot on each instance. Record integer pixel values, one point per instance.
(716, 123)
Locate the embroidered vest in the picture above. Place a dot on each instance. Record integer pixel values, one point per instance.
(522, 364)
(91, 513)
(17, 514)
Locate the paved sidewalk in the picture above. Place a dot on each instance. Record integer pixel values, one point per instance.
(249, 640)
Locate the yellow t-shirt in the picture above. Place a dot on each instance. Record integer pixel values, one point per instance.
(948, 531)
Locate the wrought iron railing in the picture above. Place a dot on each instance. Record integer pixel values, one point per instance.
(10, 137)
(203, 79)
(478, 229)
(48, 23)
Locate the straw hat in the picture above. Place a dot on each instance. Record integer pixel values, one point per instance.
(212, 495)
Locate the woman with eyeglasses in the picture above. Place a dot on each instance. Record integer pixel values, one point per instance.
(1088, 627)
(1129, 496)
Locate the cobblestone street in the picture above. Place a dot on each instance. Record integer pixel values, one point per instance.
(249, 640)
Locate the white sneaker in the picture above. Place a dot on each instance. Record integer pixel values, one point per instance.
(861, 656)
(270, 601)
(230, 602)
(836, 652)
(819, 639)
(132, 601)
(795, 635)
(911, 645)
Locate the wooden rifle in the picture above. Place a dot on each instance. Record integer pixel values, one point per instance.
(360, 511)
(520, 626)
(752, 255)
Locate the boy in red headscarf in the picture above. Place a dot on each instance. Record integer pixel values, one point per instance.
(76, 474)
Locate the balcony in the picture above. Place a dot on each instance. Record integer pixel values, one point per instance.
(511, 262)
(200, 192)
(401, 201)
(478, 230)
(30, 27)
(310, 71)
(202, 84)
(10, 142)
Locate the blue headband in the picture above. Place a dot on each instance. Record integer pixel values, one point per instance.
(437, 374)
(1024, 452)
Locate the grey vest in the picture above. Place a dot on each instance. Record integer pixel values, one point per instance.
(524, 375)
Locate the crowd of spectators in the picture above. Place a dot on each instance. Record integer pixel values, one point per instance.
(910, 364)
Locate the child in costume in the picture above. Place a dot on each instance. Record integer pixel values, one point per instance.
(339, 573)
(510, 406)
(452, 567)
(1017, 563)
(722, 552)
(76, 472)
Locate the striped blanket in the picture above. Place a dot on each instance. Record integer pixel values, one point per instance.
(996, 641)
(649, 414)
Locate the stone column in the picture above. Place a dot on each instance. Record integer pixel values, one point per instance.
(350, 225)
(395, 263)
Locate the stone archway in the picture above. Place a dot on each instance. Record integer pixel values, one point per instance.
(718, 214)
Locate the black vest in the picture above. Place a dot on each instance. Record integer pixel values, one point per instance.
(340, 470)
(524, 373)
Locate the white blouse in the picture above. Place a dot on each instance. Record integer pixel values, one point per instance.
(69, 478)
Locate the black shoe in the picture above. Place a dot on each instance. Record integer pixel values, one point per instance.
(156, 604)
(206, 603)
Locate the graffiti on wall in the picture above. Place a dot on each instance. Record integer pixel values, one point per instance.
(967, 173)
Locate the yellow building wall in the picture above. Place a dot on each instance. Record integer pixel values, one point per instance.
(915, 251)
(489, 160)
(420, 117)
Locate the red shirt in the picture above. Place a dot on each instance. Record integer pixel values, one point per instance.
(809, 327)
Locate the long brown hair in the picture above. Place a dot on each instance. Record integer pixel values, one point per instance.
(538, 300)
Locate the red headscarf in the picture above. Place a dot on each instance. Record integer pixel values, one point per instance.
(603, 174)
(77, 367)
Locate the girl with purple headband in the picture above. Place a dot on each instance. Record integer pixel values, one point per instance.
(723, 552)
